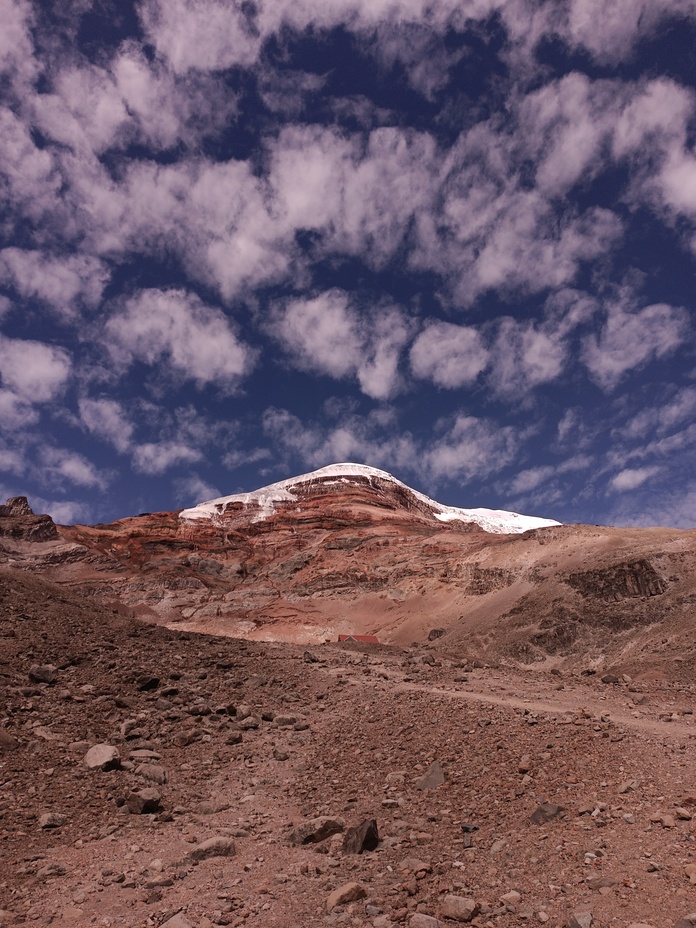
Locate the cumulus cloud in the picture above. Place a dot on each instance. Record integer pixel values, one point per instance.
(17, 59)
(449, 355)
(631, 478)
(107, 419)
(157, 457)
(524, 357)
(59, 465)
(193, 489)
(329, 335)
(34, 371)
(466, 447)
(629, 339)
(61, 282)
(175, 327)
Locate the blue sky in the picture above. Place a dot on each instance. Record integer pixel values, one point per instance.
(453, 239)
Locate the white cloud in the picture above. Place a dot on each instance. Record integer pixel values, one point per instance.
(16, 46)
(467, 448)
(449, 355)
(57, 465)
(87, 110)
(31, 180)
(35, 372)
(64, 512)
(631, 478)
(328, 334)
(194, 489)
(177, 328)
(15, 413)
(660, 419)
(106, 418)
(62, 282)
(155, 458)
(564, 125)
(470, 448)
(630, 339)
(531, 478)
(523, 357)
(201, 34)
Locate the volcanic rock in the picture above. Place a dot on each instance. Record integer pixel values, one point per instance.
(459, 908)
(214, 847)
(363, 837)
(349, 892)
(315, 830)
(103, 757)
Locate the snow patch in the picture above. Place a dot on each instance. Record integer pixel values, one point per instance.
(497, 521)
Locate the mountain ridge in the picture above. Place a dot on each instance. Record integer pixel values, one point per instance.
(286, 491)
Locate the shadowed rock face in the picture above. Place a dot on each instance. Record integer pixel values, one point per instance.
(17, 520)
(367, 557)
(620, 581)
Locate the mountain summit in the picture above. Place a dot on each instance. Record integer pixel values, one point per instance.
(338, 478)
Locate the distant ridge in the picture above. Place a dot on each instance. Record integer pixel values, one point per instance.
(266, 500)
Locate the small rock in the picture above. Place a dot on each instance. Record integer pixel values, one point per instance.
(310, 658)
(349, 892)
(601, 882)
(686, 921)
(609, 678)
(144, 802)
(43, 673)
(690, 872)
(459, 908)
(511, 898)
(153, 773)
(434, 777)
(103, 757)
(363, 837)
(213, 847)
(51, 870)
(52, 820)
(7, 742)
(545, 813)
(419, 920)
(580, 920)
(177, 921)
(315, 830)
(664, 819)
(683, 814)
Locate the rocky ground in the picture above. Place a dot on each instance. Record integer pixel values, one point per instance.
(234, 776)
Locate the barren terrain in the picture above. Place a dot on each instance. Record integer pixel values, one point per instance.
(249, 743)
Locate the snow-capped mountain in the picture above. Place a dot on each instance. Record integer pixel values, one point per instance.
(266, 500)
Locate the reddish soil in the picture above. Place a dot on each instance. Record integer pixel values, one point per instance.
(370, 720)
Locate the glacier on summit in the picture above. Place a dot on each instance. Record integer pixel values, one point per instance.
(496, 521)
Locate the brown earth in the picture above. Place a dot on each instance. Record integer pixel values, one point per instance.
(249, 740)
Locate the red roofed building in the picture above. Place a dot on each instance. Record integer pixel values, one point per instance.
(365, 639)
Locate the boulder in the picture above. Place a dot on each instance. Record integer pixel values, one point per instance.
(315, 830)
(349, 892)
(363, 837)
(434, 777)
(103, 757)
(144, 802)
(459, 908)
(213, 847)
(546, 812)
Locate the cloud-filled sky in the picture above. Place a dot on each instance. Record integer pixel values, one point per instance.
(454, 239)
